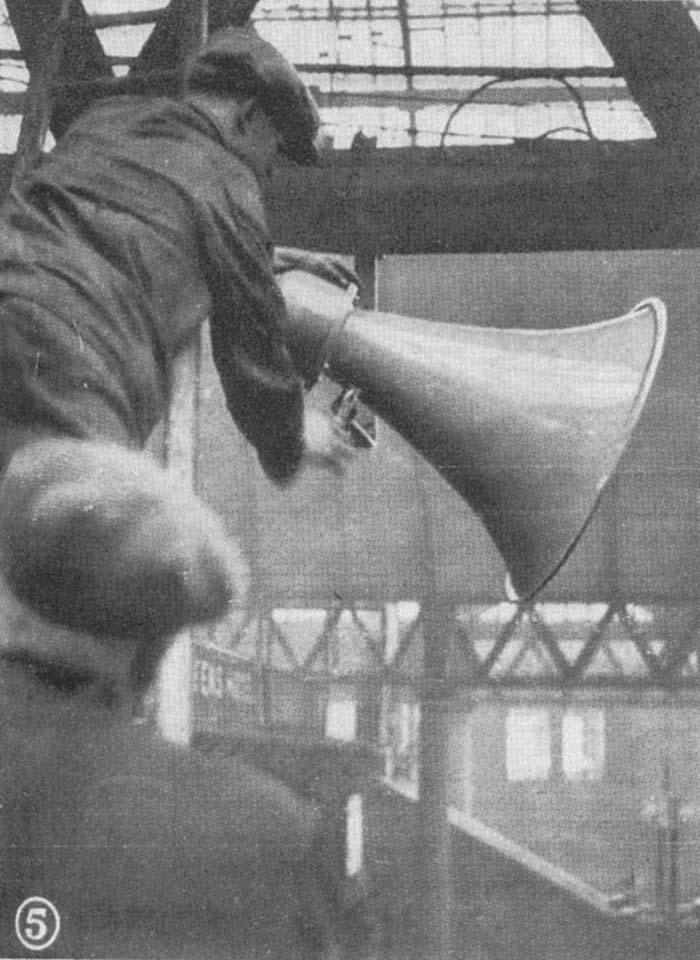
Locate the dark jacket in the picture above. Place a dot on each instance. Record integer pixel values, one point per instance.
(143, 222)
(150, 850)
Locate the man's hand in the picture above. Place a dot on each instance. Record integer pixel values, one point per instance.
(322, 265)
(326, 444)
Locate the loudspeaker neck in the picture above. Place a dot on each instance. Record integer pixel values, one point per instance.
(316, 315)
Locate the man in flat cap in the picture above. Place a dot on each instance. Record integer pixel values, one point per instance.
(146, 220)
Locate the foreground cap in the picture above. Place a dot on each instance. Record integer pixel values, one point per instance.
(236, 60)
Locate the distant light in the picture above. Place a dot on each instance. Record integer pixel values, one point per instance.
(407, 610)
(354, 835)
(341, 720)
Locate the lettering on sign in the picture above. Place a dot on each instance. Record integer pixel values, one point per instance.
(223, 681)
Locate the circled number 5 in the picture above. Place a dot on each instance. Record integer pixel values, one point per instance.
(37, 923)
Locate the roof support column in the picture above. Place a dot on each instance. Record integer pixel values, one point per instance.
(435, 842)
(656, 47)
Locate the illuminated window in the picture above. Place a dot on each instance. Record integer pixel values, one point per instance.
(341, 719)
(583, 744)
(528, 744)
(354, 835)
(403, 741)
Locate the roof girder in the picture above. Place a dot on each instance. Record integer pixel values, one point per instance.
(656, 47)
(175, 34)
(82, 59)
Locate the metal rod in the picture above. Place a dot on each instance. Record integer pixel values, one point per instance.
(444, 70)
(434, 831)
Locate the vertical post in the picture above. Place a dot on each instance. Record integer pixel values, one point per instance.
(671, 849)
(174, 699)
(173, 704)
(672, 854)
(668, 821)
(460, 786)
(434, 828)
(660, 865)
(390, 629)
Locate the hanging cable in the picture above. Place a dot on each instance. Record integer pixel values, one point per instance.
(471, 97)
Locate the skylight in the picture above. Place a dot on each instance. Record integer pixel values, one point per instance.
(435, 72)
(422, 72)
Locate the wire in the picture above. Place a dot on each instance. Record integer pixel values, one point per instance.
(549, 133)
(471, 97)
(371, 127)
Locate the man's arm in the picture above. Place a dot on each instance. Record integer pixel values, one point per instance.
(264, 392)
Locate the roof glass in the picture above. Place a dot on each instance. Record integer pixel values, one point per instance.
(420, 72)
(453, 72)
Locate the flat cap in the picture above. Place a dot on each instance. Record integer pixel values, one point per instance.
(235, 61)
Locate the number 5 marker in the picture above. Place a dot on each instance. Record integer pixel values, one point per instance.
(37, 923)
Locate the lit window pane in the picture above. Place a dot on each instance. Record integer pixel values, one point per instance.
(583, 744)
(341, 720)
(354, 835)
(403, 736)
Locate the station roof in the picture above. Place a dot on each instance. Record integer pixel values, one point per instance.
(428, 73)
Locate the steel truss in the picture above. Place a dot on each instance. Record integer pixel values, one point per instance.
(559, 646)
